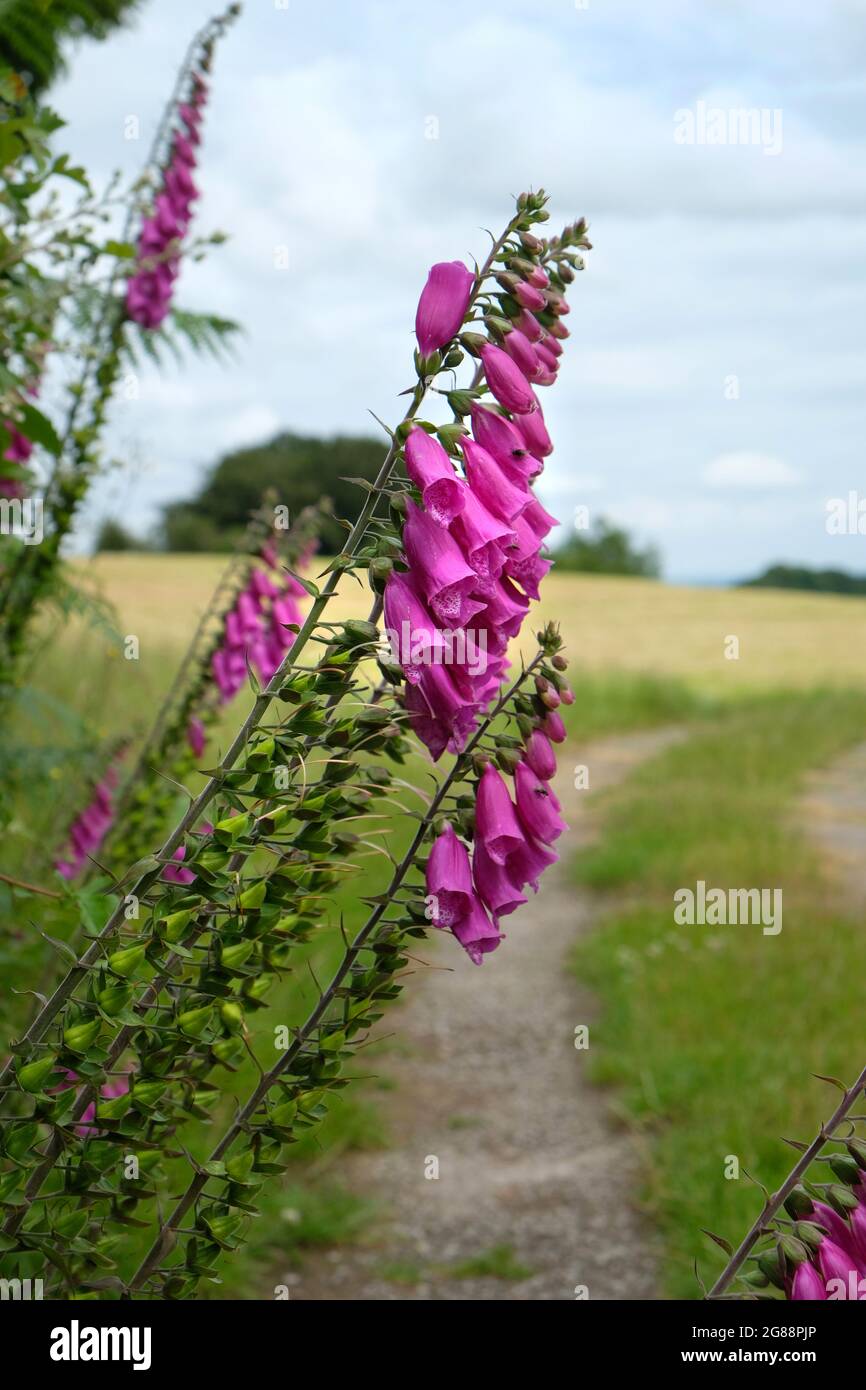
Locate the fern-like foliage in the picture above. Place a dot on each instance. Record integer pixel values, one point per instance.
(204, 335)
(32, 32)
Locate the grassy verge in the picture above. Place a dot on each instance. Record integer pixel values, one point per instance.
(712, 1033)
(611, 702)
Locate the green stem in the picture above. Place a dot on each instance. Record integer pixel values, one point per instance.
(774, 1202)
(269, 1078)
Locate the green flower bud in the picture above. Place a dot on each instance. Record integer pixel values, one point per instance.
(841, 1198)
(223, 1228)
(257, 989)
(232, 1015)
(80, 1036)
(768, 1263)
(508, 760)
(193, 1022)
(174, 926)
(857, 1150)
(127, 960)
(380, 568)
(114, 999)
(846, 1169)
(449, 436)
(236, 955)
(147, 1093)
(794, 1251)
(461, 402)
(810, 1234)
(227, 1050)
(798, 1202)
(473, 343)
(356, 632)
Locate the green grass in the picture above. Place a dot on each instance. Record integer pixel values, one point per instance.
(295, 1220)
(712, 1047)
(402, 1272)
(711, 1034)
(499, 1262)
(613, 701)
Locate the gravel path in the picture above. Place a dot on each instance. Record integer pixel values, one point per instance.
(488, 1082)
(832, 812)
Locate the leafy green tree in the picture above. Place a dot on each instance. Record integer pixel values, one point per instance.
(802, 577)
(113, 535)
(299, 471)
(607, 549)
(32, 32)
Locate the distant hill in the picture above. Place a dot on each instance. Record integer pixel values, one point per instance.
(802, 577)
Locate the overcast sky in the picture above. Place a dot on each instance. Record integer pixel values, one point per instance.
(712, 397)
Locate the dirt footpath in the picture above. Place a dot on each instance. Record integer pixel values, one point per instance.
(490, 1091)
(832, 813)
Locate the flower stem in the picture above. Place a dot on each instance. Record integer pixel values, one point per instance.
(269, 1078)
(774, 1202)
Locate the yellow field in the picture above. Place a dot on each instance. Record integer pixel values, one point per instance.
(785, 638)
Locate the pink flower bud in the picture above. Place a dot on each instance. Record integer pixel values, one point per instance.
(534, 431)
(443, 305)
(548, 358)
(529, 326)
(528, 297)
(507, 382)
(544, 376)
(521, 351)
(554, 727)
(540, 755)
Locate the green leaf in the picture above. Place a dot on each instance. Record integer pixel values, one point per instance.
(39, 429)
(123, 250)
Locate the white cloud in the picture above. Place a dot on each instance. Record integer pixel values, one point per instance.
(750, 470)
(315, 139)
